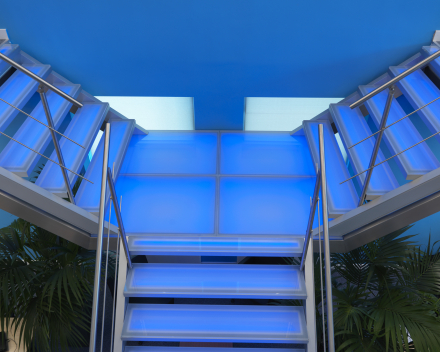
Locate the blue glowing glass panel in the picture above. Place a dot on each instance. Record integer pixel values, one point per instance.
(215, 281)
(265, 153)
(172, 153)
(216, 245)
(221, 323)
(152, 204)
(253, 205)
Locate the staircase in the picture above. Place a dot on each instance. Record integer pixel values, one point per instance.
(198, 204)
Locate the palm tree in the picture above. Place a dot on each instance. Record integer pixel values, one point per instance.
(46, 285)
(386, 296)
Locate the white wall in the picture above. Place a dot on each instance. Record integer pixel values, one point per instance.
(282, 114)
(156, 113)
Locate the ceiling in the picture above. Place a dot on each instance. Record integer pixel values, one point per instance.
(220, 51)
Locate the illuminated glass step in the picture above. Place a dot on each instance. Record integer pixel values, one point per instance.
(120, 134)
(21, 160)
(434, 64)
(341, 198)
(222, 245)
(82, 129)
(419, 91)
(175, 322)
(17, 90)
(353, 128)
(216, 281)
(11, 51)
(414, 162)
(205, 349)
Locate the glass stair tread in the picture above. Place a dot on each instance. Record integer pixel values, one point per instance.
(222, 323)
(9, 50)
(205, 349)
(419, 91)
(341, 197)
(220, 245)
(414, 162)
(21, 160)
(82, 129)
(434, 64)
(353, 128)
(17, 90)
(88, 194)
(216, 281)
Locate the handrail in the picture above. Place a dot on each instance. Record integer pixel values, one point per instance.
(311, 218)
(114, 198)
(41, 81)
(395, 80)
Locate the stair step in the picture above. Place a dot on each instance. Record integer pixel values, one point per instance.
(211, 245)
(174, 322)
(341, 198)
(419, 90)
(11, 51)
(216, 281)
(82, 129)
(17, 90)
(434, 64)
(120, 135)
(413, 163)
(205, 349)
(353, 128)
(21, 160)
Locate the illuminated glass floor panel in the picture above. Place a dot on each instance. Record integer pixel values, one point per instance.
(265, 153)
(174, 322)
(172, 153)
(272, 205)
(215, 281)
(158, 204)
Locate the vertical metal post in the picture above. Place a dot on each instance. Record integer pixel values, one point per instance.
(328, 277)
(55, 142)
(377, 144)
(99, 241)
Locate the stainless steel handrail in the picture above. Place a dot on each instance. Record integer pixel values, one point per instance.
(114, 198)
(328, 273)
(376, 146)
(97, 282)
(311, 218)
(40, 80)
(62, 135)
(395, 80)
(390, 84)
(44, 156)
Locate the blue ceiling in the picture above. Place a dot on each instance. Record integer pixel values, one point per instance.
(221, 51)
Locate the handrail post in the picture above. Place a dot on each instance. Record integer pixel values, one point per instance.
(114, 199)
(328, 273)
(96, 287)
(383, 123)
(55, 142)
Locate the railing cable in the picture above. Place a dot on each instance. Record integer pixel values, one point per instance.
(42, 123)
(44, 156)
